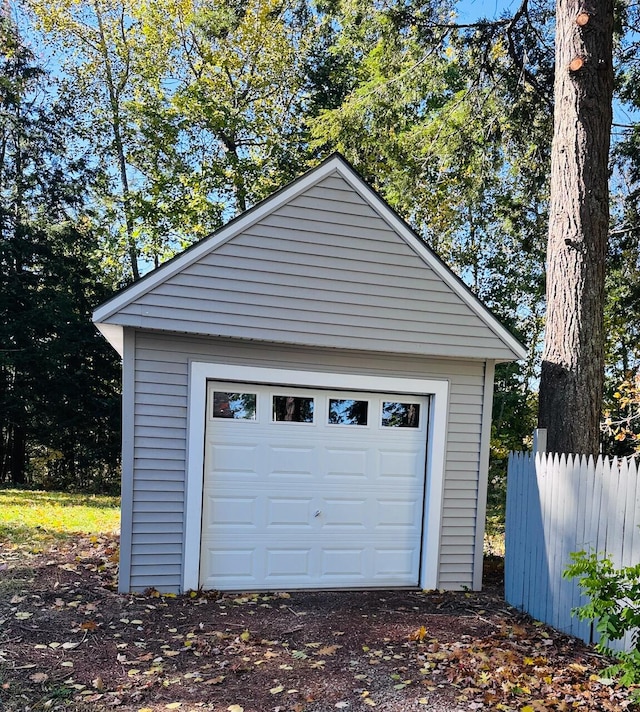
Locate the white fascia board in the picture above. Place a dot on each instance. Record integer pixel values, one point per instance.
(224, 234)
(200, 372)
(444, 272)
(114, 334)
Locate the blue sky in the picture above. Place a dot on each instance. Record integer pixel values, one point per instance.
(472, 10)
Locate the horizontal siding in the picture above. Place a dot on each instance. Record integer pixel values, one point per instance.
(161, 423)
(162, 582)
(174, 528)
(170, 492)
(322, 337)
(181, 297)
(318, 271)
(333, 318)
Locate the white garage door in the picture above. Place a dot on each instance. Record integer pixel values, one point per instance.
(312, 488)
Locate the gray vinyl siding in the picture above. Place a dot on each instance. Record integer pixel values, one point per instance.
(159, 451)
(323, 270)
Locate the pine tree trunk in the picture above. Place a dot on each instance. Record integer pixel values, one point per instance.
(573, 357)
(18, 456)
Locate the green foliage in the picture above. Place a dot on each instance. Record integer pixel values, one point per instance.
(435, 119)
(513, 422)
(59, 404)
(614, 606)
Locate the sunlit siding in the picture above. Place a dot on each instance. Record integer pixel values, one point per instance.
(326, 270)
(160, 420)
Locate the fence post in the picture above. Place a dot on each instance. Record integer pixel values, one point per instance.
(539, 440)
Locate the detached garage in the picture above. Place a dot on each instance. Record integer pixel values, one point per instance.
(306, 403)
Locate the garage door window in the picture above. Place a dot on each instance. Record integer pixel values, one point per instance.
(237, 406)
(400, 415)
(346, 411)
(293, 409)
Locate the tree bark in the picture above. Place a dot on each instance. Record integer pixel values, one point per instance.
(573, 357)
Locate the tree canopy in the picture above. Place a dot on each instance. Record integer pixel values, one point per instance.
(175, 115)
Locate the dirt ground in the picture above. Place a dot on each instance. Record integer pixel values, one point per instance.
(68, 641)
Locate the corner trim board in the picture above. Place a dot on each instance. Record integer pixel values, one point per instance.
(483, 472)
(201, 372)
(126, 482)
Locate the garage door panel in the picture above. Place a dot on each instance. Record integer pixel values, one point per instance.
(286, 563)
(398, 513)
(398, 562)
(233, 458)
(230, 511)
(340, 562)
(308, 505)
(234, 566)
(343, 512)
(289, 512)
(291, 461)
(346, 463)
(401, 464)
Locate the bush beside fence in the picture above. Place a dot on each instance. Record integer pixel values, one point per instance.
(557, 505)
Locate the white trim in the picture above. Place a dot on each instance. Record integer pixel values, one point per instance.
(335, 164)
(127, 467)
(114, 334)
(434, 493)
(483, 473)
(200, 373)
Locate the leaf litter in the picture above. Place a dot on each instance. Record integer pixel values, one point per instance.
(69, 642)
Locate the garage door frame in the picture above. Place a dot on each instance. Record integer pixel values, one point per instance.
(201, 372)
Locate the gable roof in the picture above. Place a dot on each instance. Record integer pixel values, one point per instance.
(325, 261)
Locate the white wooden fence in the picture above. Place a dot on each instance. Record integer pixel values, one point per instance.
(557, 505)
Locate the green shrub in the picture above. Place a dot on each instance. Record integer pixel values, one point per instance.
(614, 606)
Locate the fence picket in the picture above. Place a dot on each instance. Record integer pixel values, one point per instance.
(557, 505)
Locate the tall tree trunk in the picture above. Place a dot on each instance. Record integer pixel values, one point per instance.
(114, 90)
(18, 456)
(573, 357)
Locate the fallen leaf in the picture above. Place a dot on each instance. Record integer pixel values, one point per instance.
(235, 708)
(173, 705)
(276, 690)
(214, 680)
(23, 615)
(245, 636)
(341, 705)
(328, 649)
(419, 634)
(39, 677)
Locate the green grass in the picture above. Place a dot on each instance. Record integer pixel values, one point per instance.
(28, 517)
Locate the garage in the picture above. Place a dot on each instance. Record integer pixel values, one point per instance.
(307, 400)
(304, 488)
